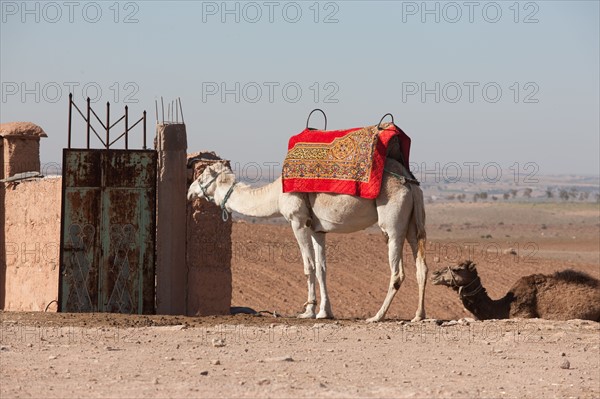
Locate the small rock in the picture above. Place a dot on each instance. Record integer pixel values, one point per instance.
(30, 345)
(510, 251)
(218, 343)
(204, 372)
(169, 358)
(52, 357)
(563, 354)
(155, 381)
(280, 359)
(4, 348)
(216, 362)
(264, 381)
(565, 364)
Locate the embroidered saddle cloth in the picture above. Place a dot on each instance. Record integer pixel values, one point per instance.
(343, 161)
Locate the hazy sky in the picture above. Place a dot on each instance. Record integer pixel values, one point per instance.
(487, 82)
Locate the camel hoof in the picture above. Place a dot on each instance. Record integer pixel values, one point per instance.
(417, 318)
(324, 315)
(374, 319)
(306, 315)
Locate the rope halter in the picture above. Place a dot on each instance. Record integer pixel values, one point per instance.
(462, 289)
(204, 188)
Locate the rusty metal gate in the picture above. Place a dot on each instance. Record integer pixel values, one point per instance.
(107, 244)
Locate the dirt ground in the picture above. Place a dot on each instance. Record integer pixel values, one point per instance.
(108, 355)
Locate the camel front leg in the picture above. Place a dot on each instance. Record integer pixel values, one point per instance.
(318, 240)
(304, 237)
(418, 250)
(397, 275)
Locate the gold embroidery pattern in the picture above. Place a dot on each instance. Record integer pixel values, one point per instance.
(345, 158)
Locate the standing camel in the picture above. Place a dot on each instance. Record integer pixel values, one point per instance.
(398, 210)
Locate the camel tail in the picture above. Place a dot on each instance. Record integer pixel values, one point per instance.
(419, 218)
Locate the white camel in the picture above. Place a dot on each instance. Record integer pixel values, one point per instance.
(398, 210)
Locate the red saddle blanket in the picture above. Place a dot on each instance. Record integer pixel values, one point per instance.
(342, 161)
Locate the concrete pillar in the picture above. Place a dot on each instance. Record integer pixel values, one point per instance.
(171, 270)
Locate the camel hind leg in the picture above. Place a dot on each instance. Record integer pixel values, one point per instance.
(318, 240)
(395, 244)
(304, 237)
(417, 246)
(417, 240)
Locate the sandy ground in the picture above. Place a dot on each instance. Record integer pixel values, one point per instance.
(245, 356)
(107, 355)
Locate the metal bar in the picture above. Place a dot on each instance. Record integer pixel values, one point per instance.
(91, 127)
(144, 147)
(97, 135)
(114, 123)
(156, 108)
(126, 127)
(78, 110)
(118, 138)
(97, 117)
(162, 105)
(181, 110)
(70, 109)
(88, 123)
(107, 125)
(135, 124)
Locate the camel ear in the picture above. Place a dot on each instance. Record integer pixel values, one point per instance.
(471, 266)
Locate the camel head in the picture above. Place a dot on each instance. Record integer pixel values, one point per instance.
(457, 276)
(206, 184)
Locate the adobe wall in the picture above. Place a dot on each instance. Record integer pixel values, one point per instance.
(24, 155)
(29, 276)
(209, 253)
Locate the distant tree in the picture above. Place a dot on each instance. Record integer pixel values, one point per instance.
(461, 197)
(494, 198)
(475, 197)
(573, 193)
(513, 193)
(483, 195)
(549, 193)
(506, 196)
(451, 197)
(563, 195)
(598, 198)
(527, 192)
(583, 196)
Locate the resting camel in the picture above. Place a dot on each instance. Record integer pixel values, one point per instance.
(563, 295)
(398, 210)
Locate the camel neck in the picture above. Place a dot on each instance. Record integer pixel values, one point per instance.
(484, 308)
(256, 202)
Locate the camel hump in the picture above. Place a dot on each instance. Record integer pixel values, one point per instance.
(576, 277)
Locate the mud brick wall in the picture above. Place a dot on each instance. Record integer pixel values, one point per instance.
(22, 155)
(29, 269)
(209, 253)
